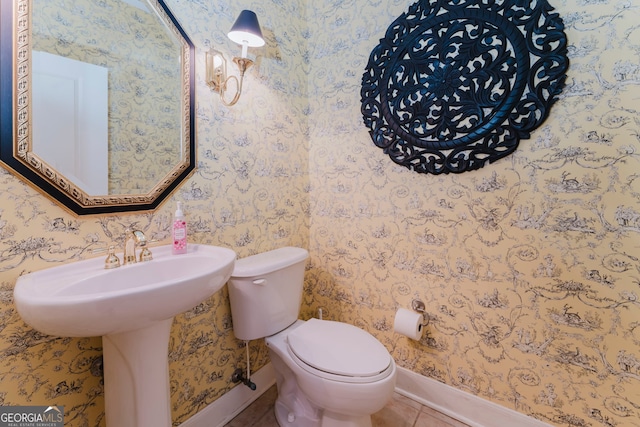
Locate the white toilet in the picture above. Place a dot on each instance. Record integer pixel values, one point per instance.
(328, 374)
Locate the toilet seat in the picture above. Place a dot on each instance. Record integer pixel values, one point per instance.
(339, 351)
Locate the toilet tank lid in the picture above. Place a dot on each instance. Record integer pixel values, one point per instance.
(267, 262)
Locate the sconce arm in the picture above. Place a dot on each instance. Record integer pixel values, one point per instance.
(218, 80)
(243, 64)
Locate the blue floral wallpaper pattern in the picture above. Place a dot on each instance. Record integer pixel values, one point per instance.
(528, 267)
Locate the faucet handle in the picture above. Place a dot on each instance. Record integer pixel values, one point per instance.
(112, 260)
(145, 254)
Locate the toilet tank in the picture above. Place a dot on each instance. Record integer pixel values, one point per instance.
(265, 291)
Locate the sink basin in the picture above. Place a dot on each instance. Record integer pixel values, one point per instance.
(132, 308)
(83, 299)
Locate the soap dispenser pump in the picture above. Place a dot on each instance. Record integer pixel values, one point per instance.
(179, 232)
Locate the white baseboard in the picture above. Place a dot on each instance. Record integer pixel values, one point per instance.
(460, 405)
(234, 401)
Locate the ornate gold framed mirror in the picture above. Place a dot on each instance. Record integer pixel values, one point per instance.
(97, 101)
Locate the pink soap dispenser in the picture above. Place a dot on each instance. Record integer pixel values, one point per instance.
(179, 232)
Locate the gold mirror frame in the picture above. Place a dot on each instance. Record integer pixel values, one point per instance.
(15, 127)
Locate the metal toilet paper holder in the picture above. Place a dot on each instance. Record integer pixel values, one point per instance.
(419, 306)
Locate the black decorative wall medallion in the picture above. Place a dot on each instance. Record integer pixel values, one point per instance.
(457, 83)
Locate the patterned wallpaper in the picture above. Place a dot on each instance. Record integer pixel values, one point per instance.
(144, 81)
(250, 193)
(527, 266)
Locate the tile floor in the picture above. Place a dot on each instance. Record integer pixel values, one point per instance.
(400, 412)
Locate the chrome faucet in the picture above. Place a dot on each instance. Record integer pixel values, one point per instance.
(134, 239)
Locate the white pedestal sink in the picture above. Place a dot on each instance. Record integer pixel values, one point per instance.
(132, 308)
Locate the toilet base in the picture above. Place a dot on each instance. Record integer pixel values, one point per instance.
(292, 408)
(296, 413)
(307, 400)
(337, 420)
(287, 417)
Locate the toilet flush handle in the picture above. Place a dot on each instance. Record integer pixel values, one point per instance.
(259, 281)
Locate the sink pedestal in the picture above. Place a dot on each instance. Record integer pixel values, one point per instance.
(136, 377)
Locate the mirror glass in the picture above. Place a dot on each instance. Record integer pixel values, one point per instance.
(103, 106)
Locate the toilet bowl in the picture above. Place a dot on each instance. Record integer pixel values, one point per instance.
(336, 374)
(328, 374)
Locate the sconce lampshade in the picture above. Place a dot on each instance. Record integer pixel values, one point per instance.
(246, 30)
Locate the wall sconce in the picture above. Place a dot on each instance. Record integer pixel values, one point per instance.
(246, 32)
